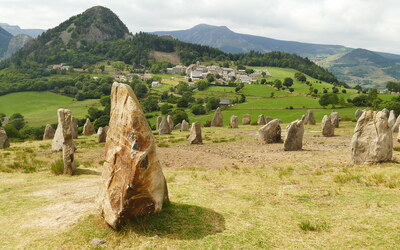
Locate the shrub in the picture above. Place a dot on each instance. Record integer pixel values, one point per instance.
(315, 226)
(57, 167)
(207, 124)
(198, 109)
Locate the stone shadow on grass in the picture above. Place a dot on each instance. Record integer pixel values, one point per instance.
(178, 221)
(86, 171)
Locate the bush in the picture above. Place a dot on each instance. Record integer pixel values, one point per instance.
(57, 167)
(198, 109)
(102, 121)
(11, 131)
(207, 124)
(32, 133)
(178, 115)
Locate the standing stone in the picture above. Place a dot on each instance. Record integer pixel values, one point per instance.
(335, 118)
(178, 126)
(133, 183)
(246, 120)
(327, 127)
(309, 119)
(185, 126)
(396, 125)
(158, 122)
(268, 119)
(217, 120)
(68, 147)
(88, 128)
(234, 121)
(3, 139)
(74, 124)
(398, 137)
(294, 136)
(195, 134)
(271, 132)
(387, 112)
(372, 140)
(164, 127)
(58, 139)
(392, 119)
(261, 120)
(359, 112)
(48, 132)
(102, 133)
(170, 122)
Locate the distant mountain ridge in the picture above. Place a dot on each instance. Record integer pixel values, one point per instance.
(16, 30)
(5, 38)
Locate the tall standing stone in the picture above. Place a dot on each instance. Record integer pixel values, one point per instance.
(261, 120)
(178, 126)
(392, 119)
(359, 112)
(271, 132)
(158, 122)
(309, 119)
(246, 120)
(294, 136)
(268, 119)
(88, 128)
(102, 134)
(133, 183)
(234, 121)
(48, 132)
(3, 139)
(74, 124)
(335, 118)
(372, 140)
(328, 129)
(396, 125)
(170, 122)
(217, 120)
(185, 126)
(195, 134)
(164, 127)
(68, 147)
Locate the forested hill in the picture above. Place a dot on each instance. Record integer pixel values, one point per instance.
(98, 35)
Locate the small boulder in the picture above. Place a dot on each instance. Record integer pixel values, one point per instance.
(261, 120)
(195, 134)
(246, 120)
(271, 132)
(164, 127)
(328, 129)
(309, 119)
(294, 136)
(335, 118)
(372, 140)
(234, 121)
(4, 143)
(185, 126)
(48, 132)
(88, 128)
(217, 120)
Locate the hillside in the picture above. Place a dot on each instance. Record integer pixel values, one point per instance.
(16, 30)
(16, 43)
(5, 38)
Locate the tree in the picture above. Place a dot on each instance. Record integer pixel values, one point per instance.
(316, 92)
(165, 108)
(178, 115)
(212, 103)
(288, 82)
(291, 90)
(263, 74)
(327, 99)
(102, 68)
(150, 104)
(198, 109)
(182, 103)
(140, 90)
(278, 84)
(202, 84)
(249, 71)
(118, 65)
(300, 77)
(210, 78)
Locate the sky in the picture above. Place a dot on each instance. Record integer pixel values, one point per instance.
(368, 24)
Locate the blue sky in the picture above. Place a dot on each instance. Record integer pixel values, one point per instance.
(368, 24)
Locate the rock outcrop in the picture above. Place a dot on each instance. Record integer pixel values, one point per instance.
(335, 118)
(185, 126)
(271, 132)
(294, 136)
(261, 120)
(88, 128)
(4, 143)
(372, 140)
(133, 183)
(102, 134)
(164, 127)
(195, 134)
(328, 129)
(309, 119)
(48, 132)
(234, 121)
(217, 120)
(68, 146)
(246, 120)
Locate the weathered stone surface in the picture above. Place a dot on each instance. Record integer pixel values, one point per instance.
(195, 134)
(178, 126)
(261, 120)
(74, 125)
(68, 146)
(170, 122)
(133, 183)
(217, 120)
(309, 119)
(185, 126)
(88, 128)
(392, 119)
(246, 120)
(271, 132)
(164, 127)
(48, 132)
(294, 136)
(234, 121)
(335, 118)
(102, 133)
(158, 122)
(58, 140)
(396, 125)
(387, 112)
(327, 127)
(359, 112)
(268, 119)
(372, 140)
(3, 139)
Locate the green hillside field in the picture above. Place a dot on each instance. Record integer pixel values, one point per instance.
(40, 108)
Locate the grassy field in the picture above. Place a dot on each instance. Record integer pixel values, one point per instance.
(230, 193)
(40, 108)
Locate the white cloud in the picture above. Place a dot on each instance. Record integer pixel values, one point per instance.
(366, 24)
